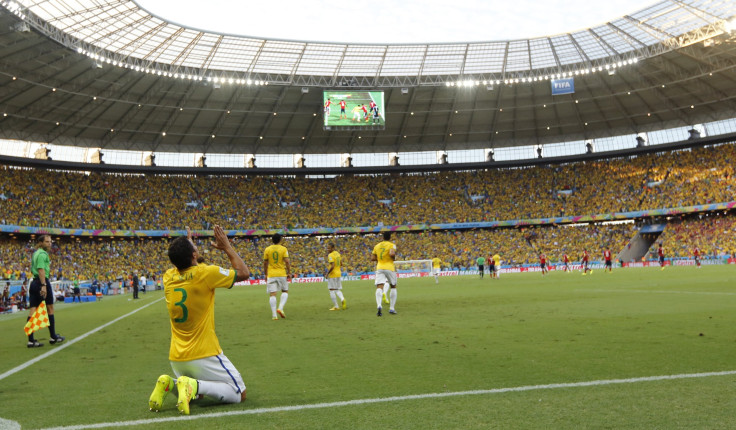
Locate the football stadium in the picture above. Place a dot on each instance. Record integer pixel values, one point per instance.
(528, 233)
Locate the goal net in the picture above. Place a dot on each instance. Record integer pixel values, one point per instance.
(413, 266)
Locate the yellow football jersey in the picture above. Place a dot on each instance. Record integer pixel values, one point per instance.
(436, 262)
(335, 258)
(382, 252)
(275, 255)
(496, 259)
(190, 299)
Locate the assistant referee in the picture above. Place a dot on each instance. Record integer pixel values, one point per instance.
(40, 289)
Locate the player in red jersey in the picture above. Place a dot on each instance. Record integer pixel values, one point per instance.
(660, 254)
(607, 258)
(343, 105)
(585, 259)
(543, 263)
(696, 254)
(327, 107)
(365, 112)
(566, 260)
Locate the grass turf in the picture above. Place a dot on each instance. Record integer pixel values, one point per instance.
(461, 334)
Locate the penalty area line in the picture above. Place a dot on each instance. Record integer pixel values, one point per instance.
(71, 342)
(602, 382)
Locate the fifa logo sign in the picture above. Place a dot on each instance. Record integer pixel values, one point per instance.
(563, 86)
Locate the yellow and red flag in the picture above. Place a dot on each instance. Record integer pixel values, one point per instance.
(39, 320)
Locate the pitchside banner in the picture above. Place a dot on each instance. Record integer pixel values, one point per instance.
(552, 267)
(563, 86)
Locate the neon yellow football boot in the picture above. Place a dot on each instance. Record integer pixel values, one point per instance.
(188, 388)
(164, 385)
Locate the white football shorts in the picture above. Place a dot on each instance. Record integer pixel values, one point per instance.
(385, 276)
(334, 283)
(277, 283)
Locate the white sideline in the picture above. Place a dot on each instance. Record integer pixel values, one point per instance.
(393, 399)
(70, 342)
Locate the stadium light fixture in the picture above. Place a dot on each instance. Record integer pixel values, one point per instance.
(442, 157)
(346, 160)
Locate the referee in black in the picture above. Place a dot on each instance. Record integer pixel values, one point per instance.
(134, 280)
(40, 289)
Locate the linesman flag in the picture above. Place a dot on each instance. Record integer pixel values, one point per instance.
(39, 320)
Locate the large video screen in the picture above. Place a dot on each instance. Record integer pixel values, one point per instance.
(353, 109)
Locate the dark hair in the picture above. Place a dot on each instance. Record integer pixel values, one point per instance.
(331, 245)
(181, 251)
(276, 238)
(41, 238)
(386, 235)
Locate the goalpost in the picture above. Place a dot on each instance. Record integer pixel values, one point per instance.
(413, 266)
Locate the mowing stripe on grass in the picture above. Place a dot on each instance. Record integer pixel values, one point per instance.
(705, 293)
(71, 342)
(396, 398)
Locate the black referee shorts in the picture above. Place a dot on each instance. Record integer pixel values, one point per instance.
(34, 294)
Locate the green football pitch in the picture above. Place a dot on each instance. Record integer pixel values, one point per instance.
(634, 349)
(356, 99)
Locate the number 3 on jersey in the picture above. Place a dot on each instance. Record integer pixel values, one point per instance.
(180, 303)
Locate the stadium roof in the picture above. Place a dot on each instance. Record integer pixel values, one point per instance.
(109, 74)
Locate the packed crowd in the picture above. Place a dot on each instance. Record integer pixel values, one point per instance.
(115, 259)
(31, 197)
(714, 235)
(36, 198)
